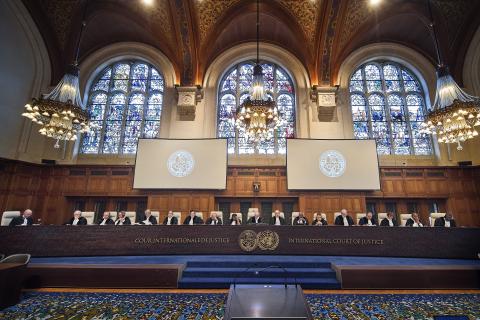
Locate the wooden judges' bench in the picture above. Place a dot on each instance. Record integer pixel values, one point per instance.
(57, 241)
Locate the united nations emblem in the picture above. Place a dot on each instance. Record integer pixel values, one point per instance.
(248, 240)
(268, 240)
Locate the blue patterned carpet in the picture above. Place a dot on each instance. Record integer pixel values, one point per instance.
(122, 306)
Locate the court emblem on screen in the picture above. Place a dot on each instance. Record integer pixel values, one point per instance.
(249, 240)
(332, 163)
(180, 163)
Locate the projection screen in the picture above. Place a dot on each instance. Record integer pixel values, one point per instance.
(332, 165)
(181, 164)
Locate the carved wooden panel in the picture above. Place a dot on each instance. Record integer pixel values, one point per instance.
(415, 187)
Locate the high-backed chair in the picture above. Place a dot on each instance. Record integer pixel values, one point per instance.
(360, 216)
(199, 214)
(219, 215)
(89, 216)
(381, 216)
(132, 215)
(8, 216)
(178, 215)
(156, 214)
(294, 215)
(335, 215)
(404, 217)
(433, 216)
(12, 279)
(17, 258)
(113, 215)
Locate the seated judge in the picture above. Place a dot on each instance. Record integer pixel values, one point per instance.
(368, 220)
(148, 219)
(344, 219)
(414, 221)
(192, 219)
(389, 221)
(105, 219)
(77, 219)
(170, 219)
(301, 220)
(277, 220)
(318, 220)
(256, 218)
(122, 219)
(235, 220)
(446, 221)
(25, 219)
(214, 220)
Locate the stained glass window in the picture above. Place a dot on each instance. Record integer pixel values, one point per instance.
(124, 103)
(234, 89)
(388, 104)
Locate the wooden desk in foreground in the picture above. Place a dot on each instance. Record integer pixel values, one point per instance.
(57, 241)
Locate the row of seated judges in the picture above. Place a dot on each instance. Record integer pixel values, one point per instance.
(344, 219)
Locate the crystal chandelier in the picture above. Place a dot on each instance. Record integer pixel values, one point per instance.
(257, 116)
(455, 113)
(60, 113)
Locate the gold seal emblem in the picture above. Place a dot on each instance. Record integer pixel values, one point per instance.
(248, 240)
(268, 240)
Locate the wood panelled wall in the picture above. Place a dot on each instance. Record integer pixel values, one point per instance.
(49, 190)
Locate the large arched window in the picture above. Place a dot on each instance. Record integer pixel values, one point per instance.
(233, 90)
(388, 104)
(124, 103)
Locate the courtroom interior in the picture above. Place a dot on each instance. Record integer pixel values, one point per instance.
(240, 159)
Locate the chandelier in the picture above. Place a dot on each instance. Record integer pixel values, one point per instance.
(455, 113)
(60, 113)
(257, 116)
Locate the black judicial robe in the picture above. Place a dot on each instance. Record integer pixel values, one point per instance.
(196, 220)
(174, 220)
(109, 221)
(410, 222)
(272, 221)
(239, 222)
(209, 222)
(440, 222)
(125, 221)
(152, 220)
(296, 221)
(385, 223)
(81, 221)
(364, 221)
(18, 221)
(321, 221)
(252, 220)
(339, 221)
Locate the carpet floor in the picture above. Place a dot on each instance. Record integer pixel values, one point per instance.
(198, 306)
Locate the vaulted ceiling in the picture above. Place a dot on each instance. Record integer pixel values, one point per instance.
(192, 33)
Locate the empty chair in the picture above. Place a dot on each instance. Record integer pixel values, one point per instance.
(22, 258)
(7, 216)
(403, 218)
(11, 278)
(89, 215)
